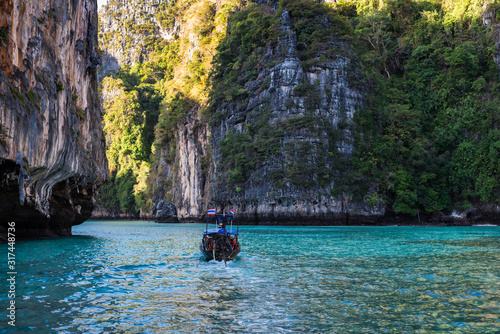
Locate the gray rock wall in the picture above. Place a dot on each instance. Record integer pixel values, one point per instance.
(192, 187)
(183, 181)
(50, 115)
(337, 99)
(126, 45)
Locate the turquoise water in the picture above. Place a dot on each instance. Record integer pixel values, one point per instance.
(143, 277)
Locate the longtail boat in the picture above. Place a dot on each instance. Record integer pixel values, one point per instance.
(220, 243)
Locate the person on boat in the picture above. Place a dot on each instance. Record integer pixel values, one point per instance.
(233, 240)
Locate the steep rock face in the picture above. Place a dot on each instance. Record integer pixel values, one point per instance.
(51, 147)
(185, 177)
(290, 112)
(490, 21)
(190, 183)
(129, 30)
(311, 108)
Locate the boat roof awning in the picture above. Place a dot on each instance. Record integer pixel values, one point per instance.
(220, 231)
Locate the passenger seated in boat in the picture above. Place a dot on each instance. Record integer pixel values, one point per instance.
(233, 241)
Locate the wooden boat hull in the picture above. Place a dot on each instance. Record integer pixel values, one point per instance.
(220, 255)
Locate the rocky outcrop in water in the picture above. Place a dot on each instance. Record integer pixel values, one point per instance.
(52, 155)
(165, 212)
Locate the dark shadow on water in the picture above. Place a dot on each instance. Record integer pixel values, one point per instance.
(56, 239)
(486, 242)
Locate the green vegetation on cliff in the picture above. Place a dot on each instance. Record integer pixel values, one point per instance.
(155, 96)
(431, 132)
(129, 121)
(427, 138)
(256, 42)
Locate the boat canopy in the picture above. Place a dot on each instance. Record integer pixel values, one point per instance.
(220, 231)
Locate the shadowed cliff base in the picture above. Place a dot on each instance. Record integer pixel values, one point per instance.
(486, 214)
(70, 204)
(390, 218)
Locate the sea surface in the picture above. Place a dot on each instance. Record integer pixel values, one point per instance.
(145, 277)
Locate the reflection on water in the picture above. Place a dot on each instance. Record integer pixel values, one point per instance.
(140, 277)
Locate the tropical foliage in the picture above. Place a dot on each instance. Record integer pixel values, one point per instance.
(129, 121)
(149, 100)
(428, 137)
(434, 109)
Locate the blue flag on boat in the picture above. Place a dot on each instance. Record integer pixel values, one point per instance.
(211, 212)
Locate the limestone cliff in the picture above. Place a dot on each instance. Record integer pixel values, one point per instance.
(52, 154)
(128, 29)
(299, 119)
(183, 180)
(309, 111)
(304, 118)
(185, 35)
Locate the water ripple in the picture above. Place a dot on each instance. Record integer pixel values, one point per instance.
(139, 277)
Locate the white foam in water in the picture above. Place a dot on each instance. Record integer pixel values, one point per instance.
(454, 214)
